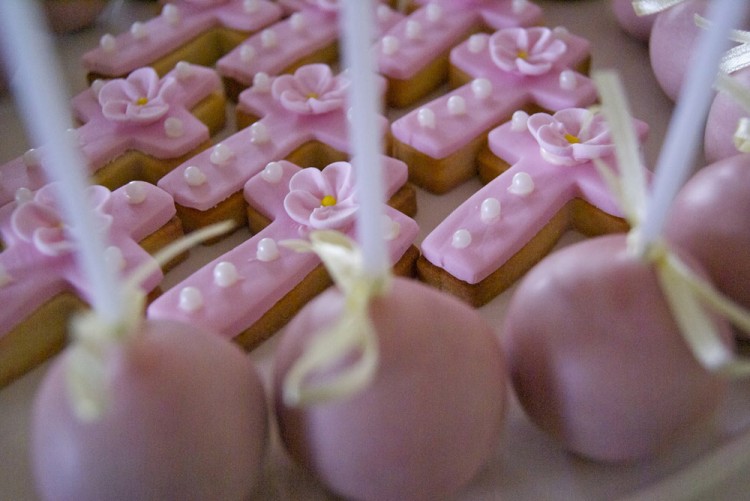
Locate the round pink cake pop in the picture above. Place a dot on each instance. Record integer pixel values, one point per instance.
(636, 26)
(671, 44)
(723, 119)
(187, 419)
(430, 418)
(596, 358)
(710, 219)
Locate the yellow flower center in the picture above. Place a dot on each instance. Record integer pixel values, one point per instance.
(312, 95)
(141, 101)
(328, 201)
(570, 138)
(522, 54)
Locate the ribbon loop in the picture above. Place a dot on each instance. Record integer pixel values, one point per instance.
(353, 334)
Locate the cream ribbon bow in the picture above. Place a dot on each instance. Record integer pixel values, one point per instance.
(688, 295)
(648, 7)
(730, 86)
(354, 334)
(93, 336)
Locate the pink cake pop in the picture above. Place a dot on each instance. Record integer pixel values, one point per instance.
(385, 389)
(610, 348)
(727, 133)
(710, 220)
(187, 420)
(636, 26)
(429, 419)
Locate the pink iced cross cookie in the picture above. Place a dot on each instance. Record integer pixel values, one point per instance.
(309, 35)
(41, 284)
(134, 128)
(293, 111)
(247, 294)
(197, 31)
(513, 68)
(551, 184)
(413, 55)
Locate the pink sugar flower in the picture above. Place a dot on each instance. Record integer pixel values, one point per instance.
(40, 223)
(322, 199)
(571, 136)
(140, 98)
(526, 51)
(313, 89)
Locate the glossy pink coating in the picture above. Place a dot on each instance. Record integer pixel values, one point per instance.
(710, 219)
(431, 417)
(723, 119)
(597, 360)
(672, 42)
(188, 420)
(636, 26)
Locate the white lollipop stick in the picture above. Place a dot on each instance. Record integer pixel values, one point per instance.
(35, 73)
(357, 31)
(683, 136)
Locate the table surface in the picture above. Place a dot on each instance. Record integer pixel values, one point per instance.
(526, 464)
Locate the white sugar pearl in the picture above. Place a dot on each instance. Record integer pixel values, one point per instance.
(172, 14)
(31, 158)
(96, 86)
(482, 88)
(390, 45)
(490, 210)
(23, 195)
(174, 128)
(191, 299)
(139, 30)
(225, 274)
(261, 82)
(135, 192)
(250, 6)
(413, 30)
(426, 118)
(267, 250)
(568, 80)
(522, 184)
(384, 13)
(456, 105)
(297, 21)
(519, 6)
(519, 121)
(434, 12)
(108, 43)
(259, 133)
(461, 239)
(247, 53)
(561, 32)
(113, 258)
(221, 154)
(391, 228)
(477, 43)
(194, 176)
(269, 38)
(272, 173)
(184, 70)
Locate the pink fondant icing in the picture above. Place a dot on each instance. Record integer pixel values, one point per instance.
(314, 27)
(180, 22)
(34, 275)
(492, 241)
(494, 98)
(263, 279)
(443, 24)
(103, 140)
(277, 134)
(723, 120)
